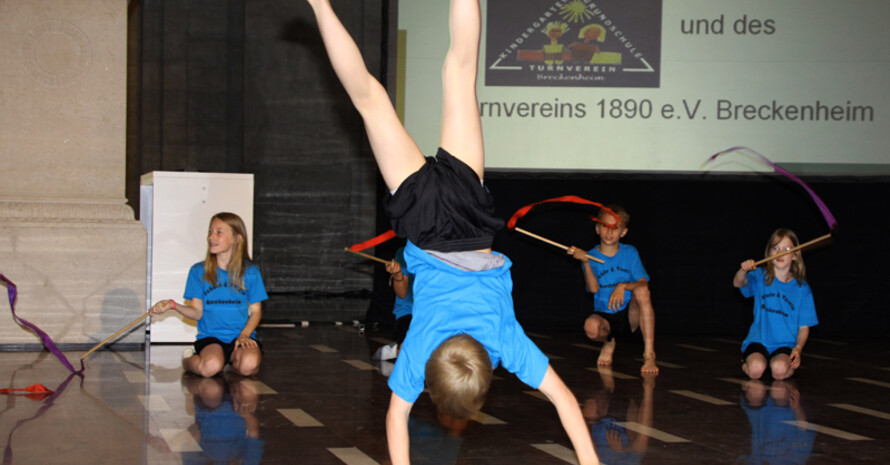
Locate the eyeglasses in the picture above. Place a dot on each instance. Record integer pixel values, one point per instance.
(778, 249)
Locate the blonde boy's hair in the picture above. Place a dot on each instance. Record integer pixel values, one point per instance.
(798, 269)
(458, 375)
(619, 210)
(240, 256)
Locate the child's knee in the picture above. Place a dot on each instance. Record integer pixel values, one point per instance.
(248, 369)
(248, 365)
(595, 328)
(755, 372)
(641, 294)
(210, 366)
(780, 369)
(755, 367)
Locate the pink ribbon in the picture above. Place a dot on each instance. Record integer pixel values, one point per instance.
(826, 213)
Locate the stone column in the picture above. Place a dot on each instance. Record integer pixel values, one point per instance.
(68, 239)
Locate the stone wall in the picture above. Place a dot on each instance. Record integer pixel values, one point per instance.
(68, 239)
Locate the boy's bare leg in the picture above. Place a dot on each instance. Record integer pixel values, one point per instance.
(597, 328)
(642, 315)
(461, 125)
(606, 351)
(396, 152)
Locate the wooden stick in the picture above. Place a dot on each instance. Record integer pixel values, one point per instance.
(369, 257)
(544, 239)
(795, 249)
(133, 323)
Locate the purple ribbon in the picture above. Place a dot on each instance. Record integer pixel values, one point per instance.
(47, 341)
(826, 213)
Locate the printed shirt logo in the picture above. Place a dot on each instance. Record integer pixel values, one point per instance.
(224, 294)
(574, 43)
(777, 303)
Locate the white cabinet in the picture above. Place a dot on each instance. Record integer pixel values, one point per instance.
(176, 208)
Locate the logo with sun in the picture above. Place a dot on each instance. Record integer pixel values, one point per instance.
(582, 43)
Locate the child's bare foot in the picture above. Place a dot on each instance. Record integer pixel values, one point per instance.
(648, 379)
(605, 358)
(649, 365)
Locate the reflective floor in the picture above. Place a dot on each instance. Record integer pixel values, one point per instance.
(319, 399)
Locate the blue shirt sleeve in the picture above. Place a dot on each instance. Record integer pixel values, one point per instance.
(808, 308)
(406, 379)
(194, 284)
(521, 356)
(753, 278)
(637, 271)
(253, 281)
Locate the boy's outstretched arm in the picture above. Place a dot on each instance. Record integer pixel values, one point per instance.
(593, 286)
(570, 416)
(397, 430)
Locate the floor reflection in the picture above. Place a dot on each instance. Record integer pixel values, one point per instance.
(773, 440)
(436, 444)
(45, 398)
(614, 443)
(319, 400)
(226, 426)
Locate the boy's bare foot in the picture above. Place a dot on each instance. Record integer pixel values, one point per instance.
(648, 379)
(649, 365)
(605, 358)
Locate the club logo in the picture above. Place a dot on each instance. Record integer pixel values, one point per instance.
(573, 43)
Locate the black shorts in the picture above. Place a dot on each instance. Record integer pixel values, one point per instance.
(443, 207)
(227, 347)
(619, 325)
(758, 348)
(401, 328)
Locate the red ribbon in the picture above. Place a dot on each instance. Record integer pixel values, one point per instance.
(33, 392)
(373, 241)
(566, 199)
(47, 403)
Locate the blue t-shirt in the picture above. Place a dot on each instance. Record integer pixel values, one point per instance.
(774, 439)
(403, 306)
(599, 432)
(624, 267)
(780, 310)
(225, 307)
(449, 301)
(224, 437)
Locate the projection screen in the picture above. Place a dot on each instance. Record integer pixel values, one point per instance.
(660, 85)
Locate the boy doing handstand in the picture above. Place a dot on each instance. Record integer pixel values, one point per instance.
(463, 323)
(621, 302)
